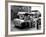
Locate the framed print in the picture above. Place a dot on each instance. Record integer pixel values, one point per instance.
(26, 18)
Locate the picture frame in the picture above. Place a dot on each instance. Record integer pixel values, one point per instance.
(21, 8)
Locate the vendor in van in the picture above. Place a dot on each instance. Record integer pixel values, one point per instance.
(26, 16)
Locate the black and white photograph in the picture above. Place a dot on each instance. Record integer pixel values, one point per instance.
(25, 18)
